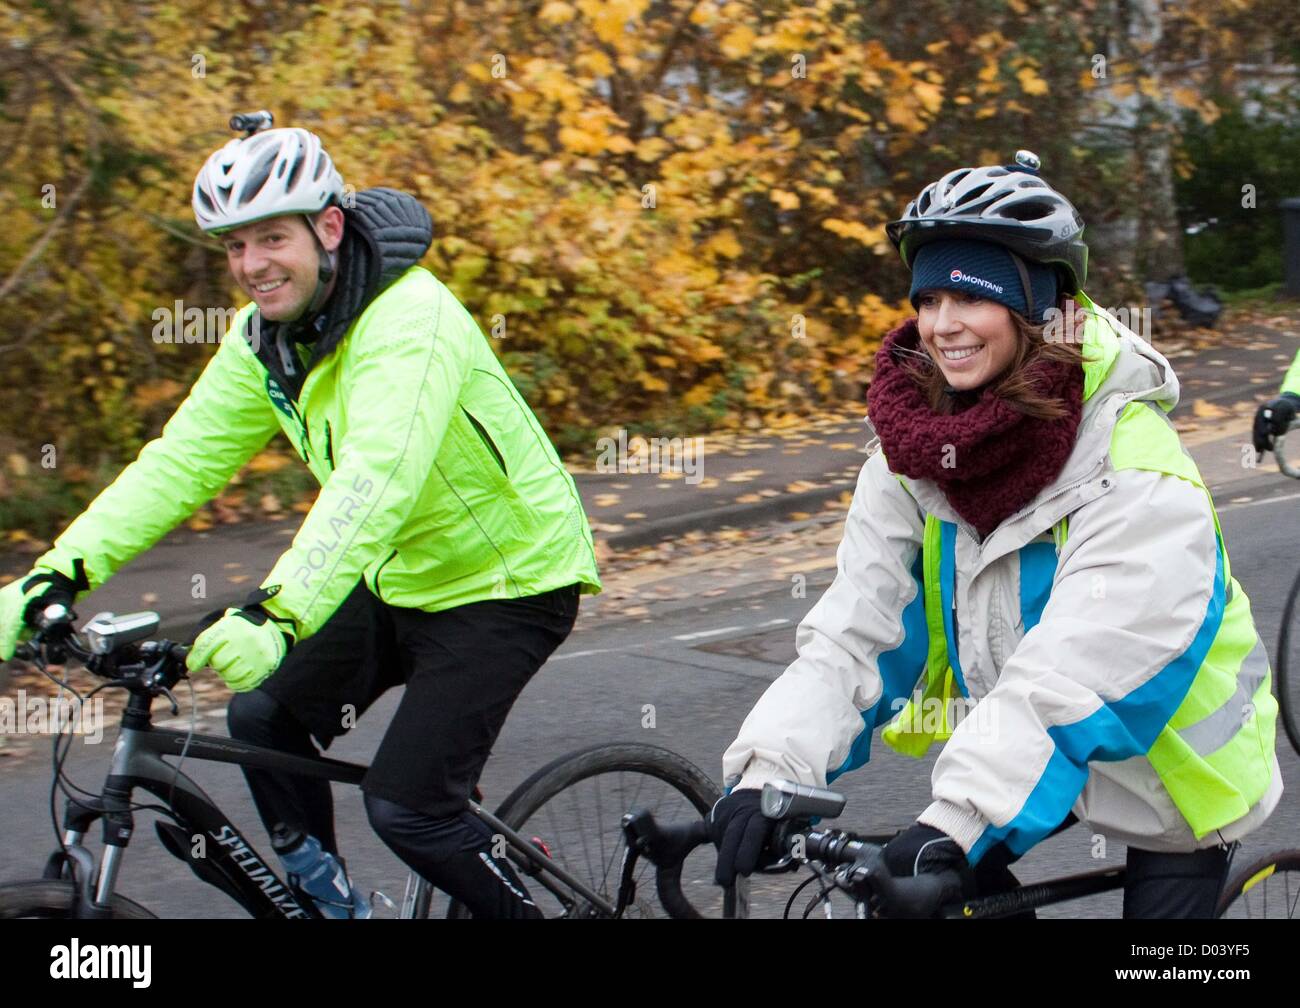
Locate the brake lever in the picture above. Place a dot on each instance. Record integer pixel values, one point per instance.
(783, 840)
(171, 700)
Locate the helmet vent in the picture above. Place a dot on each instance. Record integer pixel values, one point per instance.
(270, 173)
(1028, 210)
(293, 175)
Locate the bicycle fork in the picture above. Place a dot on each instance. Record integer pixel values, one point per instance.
(94, 884)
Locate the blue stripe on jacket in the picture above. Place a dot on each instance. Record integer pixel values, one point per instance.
(1118, 730)
(1037, 572)
(900, 669)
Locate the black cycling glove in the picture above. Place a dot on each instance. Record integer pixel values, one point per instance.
(741, 831)
(924, 850)
(1273, 418)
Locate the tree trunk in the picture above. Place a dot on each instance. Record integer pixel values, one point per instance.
(1159, 252)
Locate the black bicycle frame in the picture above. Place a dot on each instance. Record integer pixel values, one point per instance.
(202, 836)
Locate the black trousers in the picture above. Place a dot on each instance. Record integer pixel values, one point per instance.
(463, 669)
(1157, 886)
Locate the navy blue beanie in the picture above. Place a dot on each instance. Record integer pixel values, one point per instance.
(986, 269)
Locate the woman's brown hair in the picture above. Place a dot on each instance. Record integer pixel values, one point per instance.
(1016, 385)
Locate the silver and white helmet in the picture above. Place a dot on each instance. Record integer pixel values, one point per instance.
(1009, 205)
(267, 174)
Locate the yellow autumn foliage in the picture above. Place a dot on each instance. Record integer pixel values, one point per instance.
(648, 195)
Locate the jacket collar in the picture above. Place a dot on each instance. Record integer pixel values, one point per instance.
(1119, 367)
(389, 232)
(385, 234)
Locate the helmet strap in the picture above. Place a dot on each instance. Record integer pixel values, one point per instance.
(1024, 283)
(326, 267)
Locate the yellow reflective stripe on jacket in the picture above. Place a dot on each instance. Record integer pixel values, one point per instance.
(1215, 755)
(918, 726)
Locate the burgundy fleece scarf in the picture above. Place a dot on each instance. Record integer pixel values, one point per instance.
(999, 458)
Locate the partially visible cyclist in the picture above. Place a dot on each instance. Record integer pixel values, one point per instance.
(1276, 416)
(446, 550)
(1032, 539)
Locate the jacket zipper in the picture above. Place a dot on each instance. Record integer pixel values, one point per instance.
(979, 546)
(1043, 503)
(956, 627)
(329, 445)
(305, 441)
(487, 441)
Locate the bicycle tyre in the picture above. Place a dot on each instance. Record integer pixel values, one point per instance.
(566, 771)
(1285, 674)
(1248, 889)
(54, 898)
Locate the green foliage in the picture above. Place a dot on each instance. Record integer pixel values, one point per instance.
(1243, 249)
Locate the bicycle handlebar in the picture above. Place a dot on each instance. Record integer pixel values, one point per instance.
(666, 847)
(151, 666)
(863, 873)
(859, 866)
(1278, 440)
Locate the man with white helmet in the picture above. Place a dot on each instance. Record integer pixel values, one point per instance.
(446, 551)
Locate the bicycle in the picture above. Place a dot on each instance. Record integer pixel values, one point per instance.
(842, 862)
(1288, 643)
(119, 650)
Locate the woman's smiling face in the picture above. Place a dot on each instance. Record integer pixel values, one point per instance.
(953, 324)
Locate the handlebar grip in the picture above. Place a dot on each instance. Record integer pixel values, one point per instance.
(924, 895)
(914, 896)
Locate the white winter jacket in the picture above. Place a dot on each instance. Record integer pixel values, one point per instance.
(1125, 600)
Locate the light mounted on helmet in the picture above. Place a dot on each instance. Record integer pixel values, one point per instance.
(252, 122)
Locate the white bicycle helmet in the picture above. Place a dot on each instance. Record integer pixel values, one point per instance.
(1010, 205)
(265, 174)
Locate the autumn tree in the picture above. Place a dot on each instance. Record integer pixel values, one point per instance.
(665, 215)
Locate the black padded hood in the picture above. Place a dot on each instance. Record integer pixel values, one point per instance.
(386, 233)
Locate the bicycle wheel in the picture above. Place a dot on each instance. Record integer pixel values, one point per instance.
(54, 899)
(1288, 666)
(573, 807)
(1268, 887)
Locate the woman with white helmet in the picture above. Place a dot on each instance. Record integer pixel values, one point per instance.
(445, 552)
(1031, 543)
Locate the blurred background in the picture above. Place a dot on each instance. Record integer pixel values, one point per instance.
(667, 215)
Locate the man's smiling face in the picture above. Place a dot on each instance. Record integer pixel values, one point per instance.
(276, 262)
